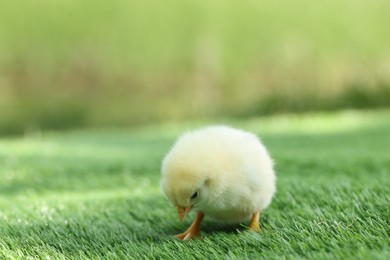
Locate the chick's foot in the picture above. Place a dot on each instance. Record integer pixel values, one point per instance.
(189, 235)
(194, 230)
(255, 222)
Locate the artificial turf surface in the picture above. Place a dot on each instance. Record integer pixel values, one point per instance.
(95, 193)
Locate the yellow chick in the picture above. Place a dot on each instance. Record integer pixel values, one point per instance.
(219, 171)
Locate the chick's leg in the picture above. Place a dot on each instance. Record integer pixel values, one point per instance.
(255, 222)
(194, 230)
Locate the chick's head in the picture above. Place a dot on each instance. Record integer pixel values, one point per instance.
(187, 186)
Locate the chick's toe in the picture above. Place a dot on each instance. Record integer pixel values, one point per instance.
(194, 230)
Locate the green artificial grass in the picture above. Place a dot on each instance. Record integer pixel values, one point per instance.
(95, 193)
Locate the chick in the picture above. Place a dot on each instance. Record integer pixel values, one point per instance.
(218, 171)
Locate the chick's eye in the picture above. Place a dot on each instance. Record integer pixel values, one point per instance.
(195, 195)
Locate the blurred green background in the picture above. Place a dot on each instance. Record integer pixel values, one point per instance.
(68, 63)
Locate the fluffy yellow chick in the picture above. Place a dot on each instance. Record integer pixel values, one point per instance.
(221, 172)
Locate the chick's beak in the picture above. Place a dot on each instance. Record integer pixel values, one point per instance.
(183, 211)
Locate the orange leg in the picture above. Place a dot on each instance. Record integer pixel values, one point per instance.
(255, 222)
(194, 230)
